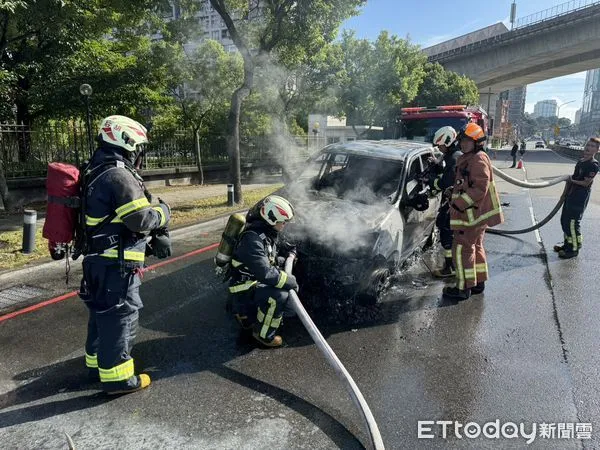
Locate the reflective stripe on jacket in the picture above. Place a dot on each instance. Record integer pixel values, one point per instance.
(475, 201)
(254, 259)
(117, 190)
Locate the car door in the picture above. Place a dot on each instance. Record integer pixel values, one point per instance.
(411, 217)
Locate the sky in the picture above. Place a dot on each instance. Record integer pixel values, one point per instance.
(429, 22)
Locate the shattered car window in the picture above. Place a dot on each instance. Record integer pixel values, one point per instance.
(354, 177)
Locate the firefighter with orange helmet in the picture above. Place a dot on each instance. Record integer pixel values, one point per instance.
(474, 206)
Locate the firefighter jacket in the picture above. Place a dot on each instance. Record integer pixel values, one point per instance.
(474, 201)
(442, 174)
(255, 259)
(115, 189)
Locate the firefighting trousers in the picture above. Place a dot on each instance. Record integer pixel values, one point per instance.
(271, 303)
(443, 224)
(570, 218)
(113, 302)
(469, 257)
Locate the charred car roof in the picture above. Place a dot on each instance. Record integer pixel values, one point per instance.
(397, 150)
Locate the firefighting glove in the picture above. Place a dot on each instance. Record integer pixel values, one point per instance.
(161, 243)
(291, 283)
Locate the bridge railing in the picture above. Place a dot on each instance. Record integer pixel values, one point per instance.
(524, 25)
(555, 11)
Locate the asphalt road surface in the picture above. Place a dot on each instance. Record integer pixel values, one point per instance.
(524, 352)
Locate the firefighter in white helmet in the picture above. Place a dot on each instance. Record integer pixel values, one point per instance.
(441, 180)
(117, 217)
(259, 286)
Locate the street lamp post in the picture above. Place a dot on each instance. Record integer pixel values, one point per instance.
(556, 134)
(86, 90)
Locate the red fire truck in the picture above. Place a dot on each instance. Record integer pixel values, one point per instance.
(420, 123)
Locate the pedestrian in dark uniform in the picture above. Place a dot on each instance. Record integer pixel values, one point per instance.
(118, 216)
(523, 148)
(441, 180)
(513, 153)
(259, 287)
(577, 199)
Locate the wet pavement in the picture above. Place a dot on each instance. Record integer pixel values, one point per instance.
(524, 351)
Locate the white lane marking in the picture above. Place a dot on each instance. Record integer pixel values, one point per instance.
(537, 232)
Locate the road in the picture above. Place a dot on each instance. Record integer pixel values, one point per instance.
(524, 352)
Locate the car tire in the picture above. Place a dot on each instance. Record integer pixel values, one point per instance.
(375, 284)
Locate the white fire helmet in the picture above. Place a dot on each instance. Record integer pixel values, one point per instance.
(276, 210)
(123, 132)
(445, 136)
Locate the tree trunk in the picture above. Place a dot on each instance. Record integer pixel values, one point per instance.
(233, 141)
(4, 190)
(198, 156)
(24, 122)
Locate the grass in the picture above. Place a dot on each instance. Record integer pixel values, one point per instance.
(182, 214)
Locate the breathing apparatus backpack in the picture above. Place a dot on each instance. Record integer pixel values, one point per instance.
(229, 240)
(65, 226)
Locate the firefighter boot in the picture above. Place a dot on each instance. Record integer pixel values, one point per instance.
(567, 253)
(479, 288)
(270, 340)
(447, 271)
(143, 381)
(455, 293)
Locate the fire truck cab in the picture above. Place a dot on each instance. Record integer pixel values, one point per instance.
(420, 123)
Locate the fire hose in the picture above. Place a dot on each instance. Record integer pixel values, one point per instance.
(526, 184)
(337, 365)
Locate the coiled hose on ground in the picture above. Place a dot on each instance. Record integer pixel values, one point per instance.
(333, 360)
(526, 184)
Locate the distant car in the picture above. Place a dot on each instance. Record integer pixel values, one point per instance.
(540, 144)
(361, 210)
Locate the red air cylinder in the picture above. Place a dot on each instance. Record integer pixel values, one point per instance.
(62, 186)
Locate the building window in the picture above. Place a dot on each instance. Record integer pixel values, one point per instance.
(350, 139)
(224, 34)
(215, 35)
(333, 140)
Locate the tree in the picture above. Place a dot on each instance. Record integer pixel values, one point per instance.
(211, 76)
(287, 29)
(378, 77)
(50, 46)
(442, 87)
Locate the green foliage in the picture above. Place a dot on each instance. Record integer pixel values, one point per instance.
(442, 87)
(52, 46)
(378, 77)
(211, 75)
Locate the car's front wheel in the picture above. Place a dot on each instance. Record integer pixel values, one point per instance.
(375, 283)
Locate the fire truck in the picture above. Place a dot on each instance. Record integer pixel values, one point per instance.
(420, 123)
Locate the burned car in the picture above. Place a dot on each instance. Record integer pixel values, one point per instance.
(362, 208)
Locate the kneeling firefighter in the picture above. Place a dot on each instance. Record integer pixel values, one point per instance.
(259, 287)
(474, 207)
(117, 215)
(441, 179)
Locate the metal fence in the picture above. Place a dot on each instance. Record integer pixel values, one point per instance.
(26, 152)
(555, 11)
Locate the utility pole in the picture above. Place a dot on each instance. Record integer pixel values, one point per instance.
(513, 15)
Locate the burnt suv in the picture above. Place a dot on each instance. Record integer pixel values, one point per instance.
(361, 210)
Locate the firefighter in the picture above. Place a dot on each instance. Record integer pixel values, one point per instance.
(577, 199)
(259, 288)
(441, 179)
(118, 216)
(474, 206)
